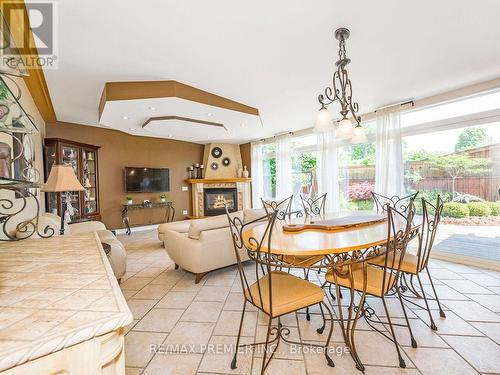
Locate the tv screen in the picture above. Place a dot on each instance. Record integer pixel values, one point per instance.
(146, 180)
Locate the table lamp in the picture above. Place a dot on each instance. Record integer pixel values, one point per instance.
(61, 179)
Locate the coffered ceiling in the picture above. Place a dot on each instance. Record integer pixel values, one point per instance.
(275, 56)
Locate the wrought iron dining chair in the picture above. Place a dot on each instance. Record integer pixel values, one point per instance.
(353, 272)
(399, 203)
(314, 206)
(413, 265)
(283, 208)
(275, 293)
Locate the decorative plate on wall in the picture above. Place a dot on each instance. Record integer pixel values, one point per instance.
(216, 152)
(214, 166)
(226, 162)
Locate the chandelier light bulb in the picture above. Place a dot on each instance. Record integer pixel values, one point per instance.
(345, 129)
(323, 121)
(359, 135)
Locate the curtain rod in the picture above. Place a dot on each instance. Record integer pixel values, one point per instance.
(394, 105)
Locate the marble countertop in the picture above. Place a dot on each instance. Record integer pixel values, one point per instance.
(55, 293)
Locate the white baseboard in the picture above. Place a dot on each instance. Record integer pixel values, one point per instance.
(137, 229)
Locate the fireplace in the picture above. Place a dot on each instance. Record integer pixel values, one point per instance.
(216, 198)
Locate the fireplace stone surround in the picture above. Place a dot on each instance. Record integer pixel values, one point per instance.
(198, 187)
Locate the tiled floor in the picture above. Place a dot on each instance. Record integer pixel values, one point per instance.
(193, 326)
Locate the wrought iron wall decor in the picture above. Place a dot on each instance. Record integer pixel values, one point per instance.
(341, 92)
(20, 179)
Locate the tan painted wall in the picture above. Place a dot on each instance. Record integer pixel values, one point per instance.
(246, 156)
(228, 151)
(119, 150)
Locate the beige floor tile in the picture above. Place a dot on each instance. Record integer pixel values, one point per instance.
(375, 349)
(381, 370)
(173, 364)
(186, 284)
(444, 292)
(159, 320)
(480, 352)
(130, 326)
(229, 323)
(393, 305)
(483, 279)
(221, 280)
(138, 347)
(433, 361)
(466, 286)
(451, 325)
(133, 370)
(473, 311)
(213, 293)
(139, 307)
(288, 320)
(490, 301)
(176, 300)
(128, 293)
(280, 367)
(308, 328)
(442, 274)
(169, 277)
(202, 312)
(135, 283)
(316, 363)
(495, 289)
(492, 330)
(152, 292)
(219, 355)
(422, 333)
(195, 335)
(234, 302)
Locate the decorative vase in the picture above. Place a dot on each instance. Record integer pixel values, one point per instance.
(130, 201)
(240, 172)
(163, 200)
(245, 172)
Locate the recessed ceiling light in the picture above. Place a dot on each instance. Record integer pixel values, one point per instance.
(152, 108)
(133, 129)
(170, 136)
(209, 114)
(125, 117)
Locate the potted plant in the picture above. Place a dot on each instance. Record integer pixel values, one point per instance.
(163, 198)
(130, 200)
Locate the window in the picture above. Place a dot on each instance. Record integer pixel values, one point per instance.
(304, 159)
(269, 168)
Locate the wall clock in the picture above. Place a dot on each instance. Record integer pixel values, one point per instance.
(216, 152)
(226, 162)
(214, 166)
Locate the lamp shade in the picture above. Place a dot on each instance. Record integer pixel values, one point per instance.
(359, 135)
(344, 129)
(323, 121)
(62, 178)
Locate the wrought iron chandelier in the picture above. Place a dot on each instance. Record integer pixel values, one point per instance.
(341, 91)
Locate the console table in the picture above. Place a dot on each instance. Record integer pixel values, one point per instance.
(168, 206)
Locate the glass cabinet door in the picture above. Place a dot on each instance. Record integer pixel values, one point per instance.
(51, 159)
(89, 181)
(71, 156)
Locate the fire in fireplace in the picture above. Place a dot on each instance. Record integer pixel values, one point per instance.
(216, 198)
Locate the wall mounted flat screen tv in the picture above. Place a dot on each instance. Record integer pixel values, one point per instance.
(146, 180)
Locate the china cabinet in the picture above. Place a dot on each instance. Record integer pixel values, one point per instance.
(84, 160)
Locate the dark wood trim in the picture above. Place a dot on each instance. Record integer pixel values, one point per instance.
(73, 143)
(35, 81)
(161, 118)
(165, 89)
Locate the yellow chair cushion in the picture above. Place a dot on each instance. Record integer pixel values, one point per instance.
(408, 265)
(374, 280)
(302, 260)
(289, 293)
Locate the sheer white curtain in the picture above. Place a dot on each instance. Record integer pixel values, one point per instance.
(327, 169)
(284, 185)
(257, 174)
(389, 167)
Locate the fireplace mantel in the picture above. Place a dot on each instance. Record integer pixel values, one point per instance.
(216, 180)
(243, 186)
